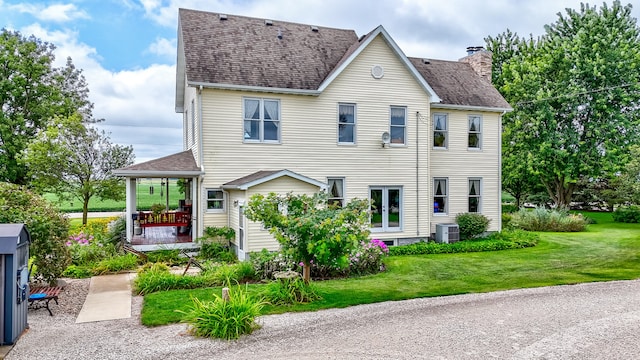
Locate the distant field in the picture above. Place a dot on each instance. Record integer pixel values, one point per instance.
(143, 202)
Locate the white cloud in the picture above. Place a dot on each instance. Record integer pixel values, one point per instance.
(164, 47)
(137, 105)
(55, 12)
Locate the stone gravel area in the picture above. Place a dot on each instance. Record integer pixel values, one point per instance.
(585, 321)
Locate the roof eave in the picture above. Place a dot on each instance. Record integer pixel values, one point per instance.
(279, 174)
(470, 107)
(274, 90)
(157, 173)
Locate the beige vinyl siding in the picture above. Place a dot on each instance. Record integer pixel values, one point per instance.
(458, 164)
(191, 134)
(309, 141)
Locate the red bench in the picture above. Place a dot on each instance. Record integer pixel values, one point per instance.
(171, 218)
(40, 297)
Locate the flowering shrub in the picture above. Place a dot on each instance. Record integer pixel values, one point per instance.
(86, 250)
(367, 258)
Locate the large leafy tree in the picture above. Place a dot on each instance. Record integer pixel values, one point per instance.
(309, 229)
(575, 96)
(72, 159)
(27, 93)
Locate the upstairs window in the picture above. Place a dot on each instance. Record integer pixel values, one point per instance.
(475, 132)
(398, 125)
(440, 131)
(261, 120)
(346, 124)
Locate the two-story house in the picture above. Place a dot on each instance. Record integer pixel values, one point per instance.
(273, 106)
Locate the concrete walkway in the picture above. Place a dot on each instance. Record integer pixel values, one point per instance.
(109, 298)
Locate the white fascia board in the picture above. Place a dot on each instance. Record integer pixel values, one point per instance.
(155, 174)
(470, 108)
(254, 88)
(277, 175)
(387, 38)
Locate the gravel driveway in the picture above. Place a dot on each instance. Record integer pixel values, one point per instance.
(587, 321)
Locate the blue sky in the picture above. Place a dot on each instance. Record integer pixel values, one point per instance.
(127, 48)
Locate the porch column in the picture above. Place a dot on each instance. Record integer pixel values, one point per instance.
(195, 209)
(131, 206)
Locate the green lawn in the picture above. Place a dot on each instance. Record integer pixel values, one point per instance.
(606, 251)
(144, 198)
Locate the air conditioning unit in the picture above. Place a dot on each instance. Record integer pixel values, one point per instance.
(447, 233)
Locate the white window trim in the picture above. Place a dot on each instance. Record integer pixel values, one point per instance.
(206, 201)
(405, 141)
(344, 188)
(479, 132)
(479, 196)
(261, 139)
(355, 125)
(446, 132)
(446, 196)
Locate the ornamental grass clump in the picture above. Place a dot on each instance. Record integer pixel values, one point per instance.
(289, 288)
(542, 219)
(224, 319)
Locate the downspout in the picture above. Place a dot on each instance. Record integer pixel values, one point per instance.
(417, 174)
(200, 225)
(500, 173)
(430, 186)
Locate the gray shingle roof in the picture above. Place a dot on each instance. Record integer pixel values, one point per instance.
(171, 165)
(458, 84)
(245, 51)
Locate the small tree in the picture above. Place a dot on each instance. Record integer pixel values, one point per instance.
(48, 228)
(310, 230)
(72, 159)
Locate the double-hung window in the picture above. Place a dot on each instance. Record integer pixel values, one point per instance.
(215, 200)
(398, 125)
(440, 196)
(440, 131)
(336, 191)
(346, 123)
(261, 120)
(474, 195)
(475, 132)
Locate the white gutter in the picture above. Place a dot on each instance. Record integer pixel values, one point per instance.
(470, 107)
(254, 88)
(156, 173)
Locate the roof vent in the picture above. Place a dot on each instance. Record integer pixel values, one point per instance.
(314, 28)
(426, 61)
(361, 38)
(223, 16)
(279, 34)
(268, 22)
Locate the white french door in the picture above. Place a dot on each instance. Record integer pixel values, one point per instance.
(386, 208)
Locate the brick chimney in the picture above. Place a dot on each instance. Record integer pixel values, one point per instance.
(480, 61)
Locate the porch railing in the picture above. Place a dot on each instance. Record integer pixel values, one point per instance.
(171, 218)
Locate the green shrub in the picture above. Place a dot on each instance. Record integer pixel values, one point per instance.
(290, 290)
(224, 319)
(506, 221)
(48, 228)
(85, 250)
(504, 240)
(115, 264)
(240, 272)
(509, 208)
(167, 256)
(628, 214)
(266, 263)
(77, 272)
(368, 258)
(158, 278)
(472, 225)
(212, 250)
(542, 219)
(220, 235)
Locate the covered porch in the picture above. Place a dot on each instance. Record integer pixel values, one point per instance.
(163, 228)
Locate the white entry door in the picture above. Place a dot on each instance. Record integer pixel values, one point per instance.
(386, 208)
